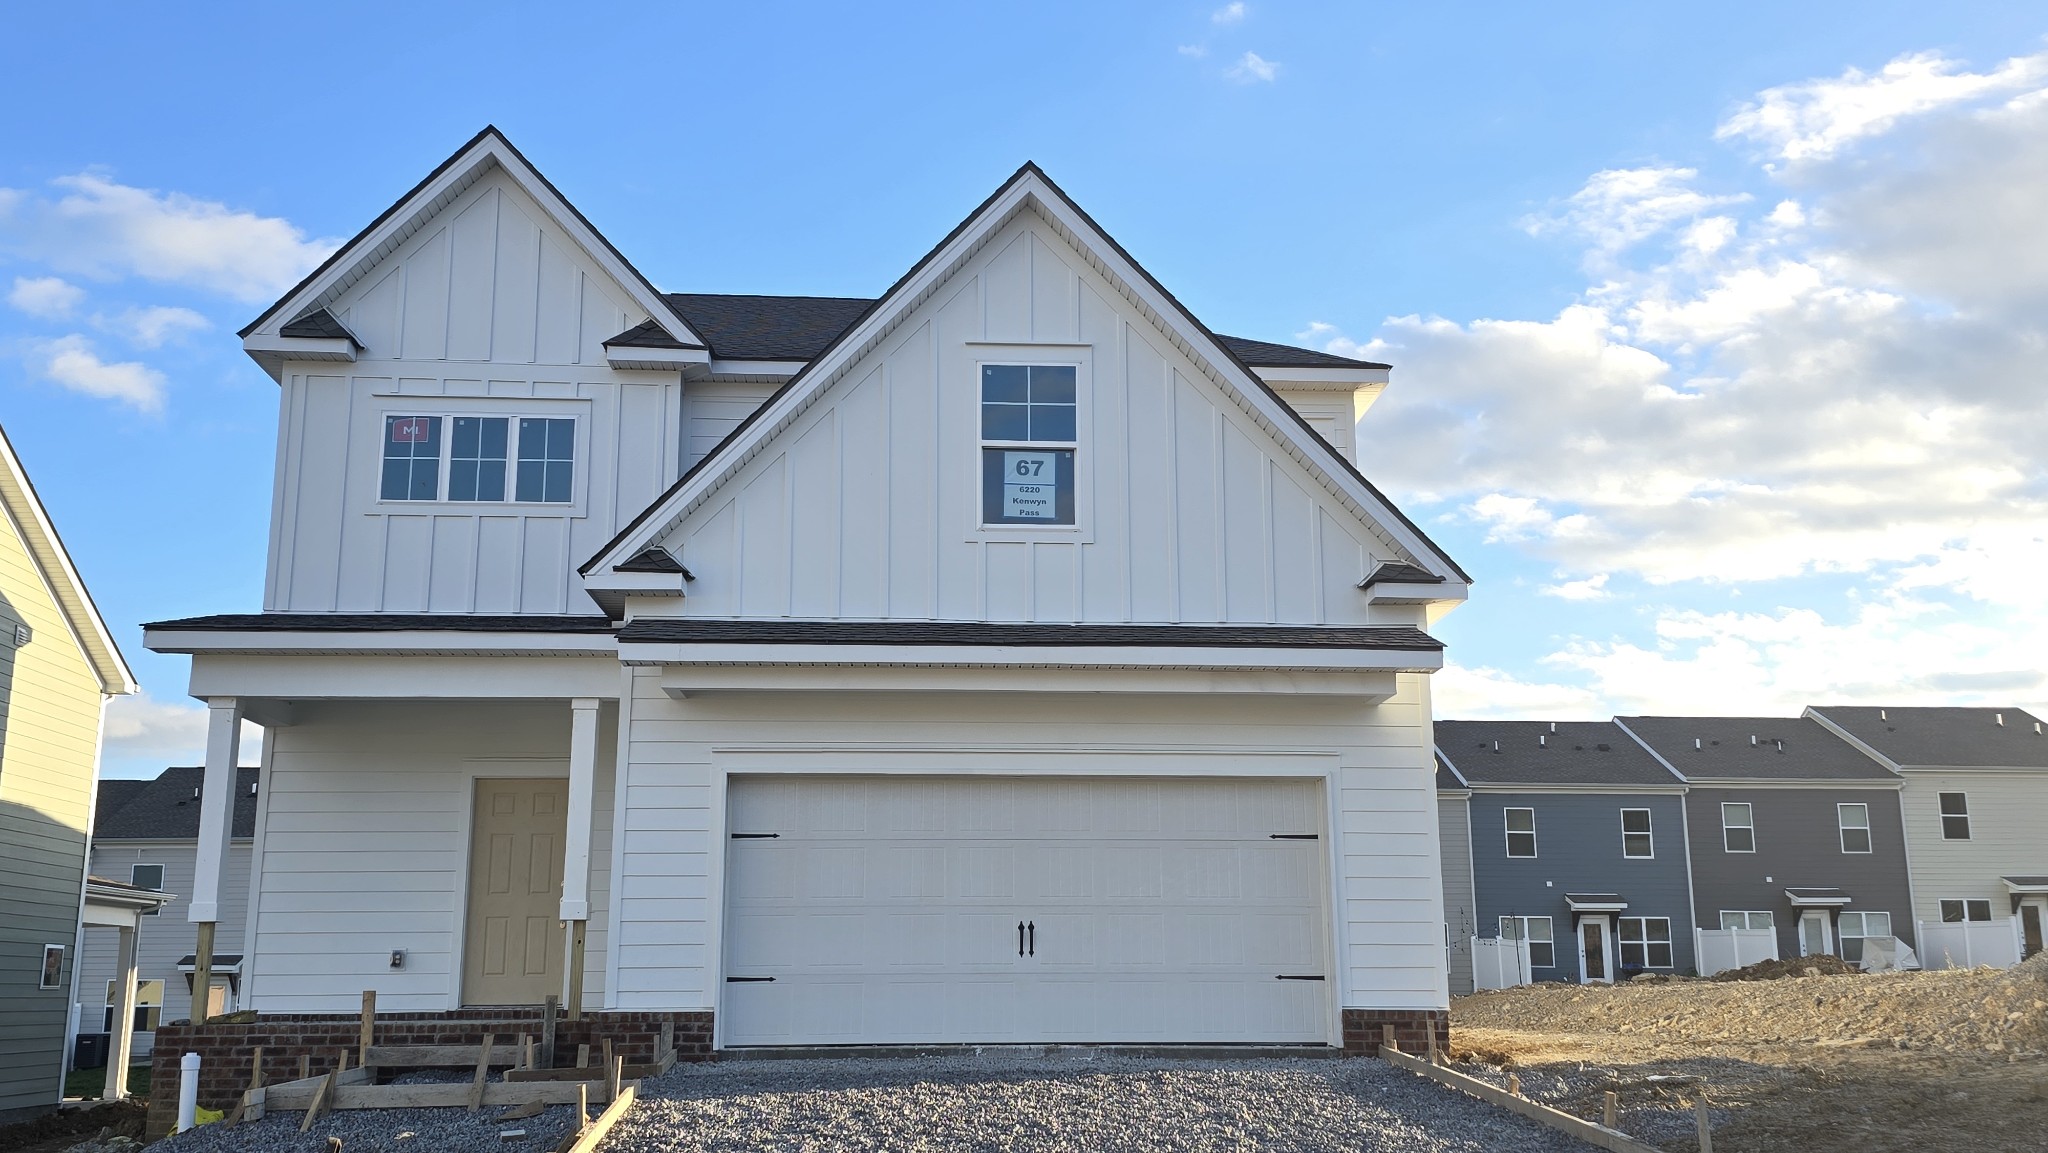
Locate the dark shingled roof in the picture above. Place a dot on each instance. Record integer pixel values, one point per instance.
(653, 558)
(1445, 778)
(166, 808)
(1946, 737)
(690, 630)
(1810, 751)
(800, 327)
(647, 334)
(1577, 753)
(1399, 572)
(319, 324)
(384, 623)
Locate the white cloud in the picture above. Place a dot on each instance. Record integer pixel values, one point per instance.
(142, 728)
(1816, 119)
(1193, 51)
(1251, 68)
(1621, 207)
(152, 326)
(1593, 588)
(48, 297)
(72, 362)
(99, 228)
(1230, 13)
(1483, 693)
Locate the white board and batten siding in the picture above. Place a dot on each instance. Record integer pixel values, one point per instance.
(489, 310)
(362, 846)
(868, 506)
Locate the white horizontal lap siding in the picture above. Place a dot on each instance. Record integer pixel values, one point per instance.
(366, 840)
(711, 410)
(2005, 837)
(487, 310)
(168, 936)
(1386, 904)
(868, 504)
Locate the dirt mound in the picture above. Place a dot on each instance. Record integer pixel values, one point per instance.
(67, 1127)
(1821, 966)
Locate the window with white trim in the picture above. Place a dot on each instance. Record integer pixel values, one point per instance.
(1955, 817)
(1521, 831)
(1536, 931)
(1853, 821)
(1636, 841)
(1747, 919)
(1957, 910)
(1645, 942)
(1738, 827)
(484, 459)
(149, 1006)
(1030, 431)
(149, 877)
(1852, 928)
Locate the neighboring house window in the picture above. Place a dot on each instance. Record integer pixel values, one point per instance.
(149, 877)
(149, 1006)
(1955, 911)
(1738, 828)
(1536, 931)
(1521, 825)
(412, 458)
(479, 454)
(476, 459)
(1955, 817)
(1854, 823)
(1646, 942)
(1852, 928)
(51, 976)
(1747, 919)
(547, 459)
(1029, 434)
(1635, 834)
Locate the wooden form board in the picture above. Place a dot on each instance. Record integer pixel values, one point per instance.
(1586, 1131)
(586, 1139)
(582, 1073)
(353, 1091)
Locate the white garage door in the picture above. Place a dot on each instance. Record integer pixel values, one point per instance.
(903, 910)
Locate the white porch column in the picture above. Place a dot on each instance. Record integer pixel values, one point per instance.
(576, 845)
(123, 1048)
(216, 825)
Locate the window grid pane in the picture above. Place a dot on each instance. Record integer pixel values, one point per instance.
(412, 458)
(1521, 832)
(547, 454)
(1635, 834)
(1738, 834)
(476, 458)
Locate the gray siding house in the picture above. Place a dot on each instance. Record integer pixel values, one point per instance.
(1578, 845)
(146, 833)
(1791, 829)
(1454, 836)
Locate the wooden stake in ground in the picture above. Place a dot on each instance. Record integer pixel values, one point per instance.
(234, 1116)
(369, 1026)
(526, 1050)
(1699, 1107)
(615, 1073)
(583, 1056)
(582, 1105)
(1514, 1084)
(547, 1031)
(483, 1073)
(1608, 1109)
(305, 1065)
(324, 1093)
(607, 1052)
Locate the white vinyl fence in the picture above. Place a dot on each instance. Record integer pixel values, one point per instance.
(1968, 944)
(1719, 949)
(1499, 963)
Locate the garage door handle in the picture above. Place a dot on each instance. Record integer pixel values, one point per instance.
(1294, 836)
(747, 980)
(1034, 938)
(1298, 977)
(1020, 938)
(755, 836)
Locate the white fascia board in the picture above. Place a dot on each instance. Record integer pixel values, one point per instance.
(422, 642)
(1396, 593)
(1330, 379)
(1453, 767)
(639, 584)
(402, 677)
(327, 348)
(657, 359)
(1033, 656)
(695, 680)
(67, 589)
(753, 369)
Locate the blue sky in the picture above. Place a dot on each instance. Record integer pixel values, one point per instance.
(1713, 333)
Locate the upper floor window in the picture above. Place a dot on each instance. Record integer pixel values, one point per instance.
(1738, 828)
(1955, 817)
(1029, 434)
(1854, 823)
(476, 453)
(149, 877)
(1521, 825)
(1635, 834)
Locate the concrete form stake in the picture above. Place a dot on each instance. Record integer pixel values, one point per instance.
(188, 1091)
(1514, 1085)
(1608, 1110)
(1699, 1106)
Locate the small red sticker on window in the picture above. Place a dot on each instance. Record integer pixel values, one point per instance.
(410, 430)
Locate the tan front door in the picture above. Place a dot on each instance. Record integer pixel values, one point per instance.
(512, 947)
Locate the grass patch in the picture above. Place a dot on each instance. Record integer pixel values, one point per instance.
(90, 1083)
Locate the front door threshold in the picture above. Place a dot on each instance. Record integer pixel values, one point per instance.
(1080, 1052)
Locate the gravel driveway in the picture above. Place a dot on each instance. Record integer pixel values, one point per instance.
(1076, 1101)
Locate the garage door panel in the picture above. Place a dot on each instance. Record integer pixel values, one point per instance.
(887, 910)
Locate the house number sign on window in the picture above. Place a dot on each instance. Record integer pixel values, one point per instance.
(1030, 485)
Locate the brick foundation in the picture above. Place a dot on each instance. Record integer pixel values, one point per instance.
(225, 1048)
(1363, 1030)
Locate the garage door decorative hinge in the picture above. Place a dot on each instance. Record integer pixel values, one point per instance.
(759, 980)
(755, 836)
(1276, 977)
(1295, 836)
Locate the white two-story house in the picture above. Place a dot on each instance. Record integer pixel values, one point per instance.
(1009, 658)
